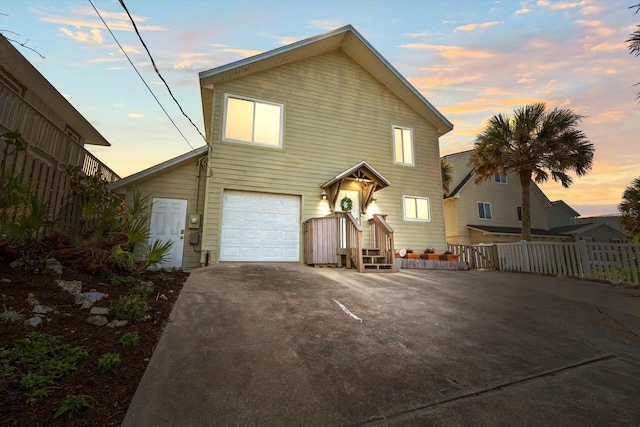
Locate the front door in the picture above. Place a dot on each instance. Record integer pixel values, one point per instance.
(355, 211)
(167, 223)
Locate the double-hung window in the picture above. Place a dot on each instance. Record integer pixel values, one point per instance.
(500, 179)
(484, 210)
(402, 146)
(252, 121)
(416, 208)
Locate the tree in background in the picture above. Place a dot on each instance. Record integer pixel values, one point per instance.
(634, 40)
(446, 170)
(630, 209)
(533, 143)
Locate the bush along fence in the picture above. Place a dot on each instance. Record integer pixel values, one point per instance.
(613, 262)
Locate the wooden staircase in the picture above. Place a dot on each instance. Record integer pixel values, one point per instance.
(374, 262)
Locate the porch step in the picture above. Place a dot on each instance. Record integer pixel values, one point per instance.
(377, 268)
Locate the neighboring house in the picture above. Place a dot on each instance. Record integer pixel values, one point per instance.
(291, 132)
(54, 131)
(599, 228)
(491, 211)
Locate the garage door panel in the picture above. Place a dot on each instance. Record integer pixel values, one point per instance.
(260, 227)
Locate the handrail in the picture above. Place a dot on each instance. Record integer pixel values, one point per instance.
(382, 237)
(42, 134)
(352, 239)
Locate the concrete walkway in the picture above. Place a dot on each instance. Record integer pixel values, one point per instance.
(286, 344)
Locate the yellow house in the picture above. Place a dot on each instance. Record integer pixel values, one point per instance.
(306, 131)
(490, 212)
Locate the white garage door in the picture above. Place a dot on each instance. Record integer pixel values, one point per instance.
(260, 227)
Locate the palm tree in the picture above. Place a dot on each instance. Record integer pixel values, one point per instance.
(630, 208)
(634, 40)
(533, 143)
(446, 170)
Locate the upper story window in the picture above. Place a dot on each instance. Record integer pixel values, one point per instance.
(519, 209)
(500, 179)
(402, 146)
(8, 79)
(484, 210)
(252, 121)
(416, 208)
(72, 134)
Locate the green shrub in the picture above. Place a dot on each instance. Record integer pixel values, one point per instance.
(37, 362)
(142, 289)
(109, 362)
(157, 253)
(129, 339)
(117, 280)
(72, 404)
(11, 316)
(129, 307)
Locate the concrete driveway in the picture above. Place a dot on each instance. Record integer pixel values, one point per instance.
(287, 344)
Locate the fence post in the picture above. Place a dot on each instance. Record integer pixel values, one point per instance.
(585, 270)
(524, 249)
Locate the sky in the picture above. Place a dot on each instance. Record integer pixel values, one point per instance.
(471, 59)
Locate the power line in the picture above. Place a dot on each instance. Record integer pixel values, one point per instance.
(139, 75)
(158, 71)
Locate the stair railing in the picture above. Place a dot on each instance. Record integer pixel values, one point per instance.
(350, 240)
(382, 238)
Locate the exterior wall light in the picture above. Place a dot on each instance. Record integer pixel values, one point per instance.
(323, 195)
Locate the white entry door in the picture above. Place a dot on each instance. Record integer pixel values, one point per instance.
(260, 227)
(355, 211)
(167, 223)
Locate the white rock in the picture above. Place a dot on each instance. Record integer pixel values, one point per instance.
(99, 311)
(72, 286)
(164, 297)
(42, 309)
(98, 320)
(54, 265)
(34, 321)
(117, 323)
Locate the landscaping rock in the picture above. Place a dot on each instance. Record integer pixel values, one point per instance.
(88, 298)
(42, 309)
(163, 297)
(54, 266)
(5, 280)
(102, 311)
(34, 321)
(16, 264)
(98, 320)
(32, 301)
(72, 286)
(117, 323)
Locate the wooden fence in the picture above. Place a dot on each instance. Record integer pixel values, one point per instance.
(478, 257)
(614, 262)
(48, 150)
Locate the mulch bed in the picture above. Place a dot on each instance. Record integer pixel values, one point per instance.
(111, 392)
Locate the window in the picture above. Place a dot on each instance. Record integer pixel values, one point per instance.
(72, 134)
(402, 146)
(484, 210)
(519, 208)
(416, 208)
(252, 121)
(500, 179)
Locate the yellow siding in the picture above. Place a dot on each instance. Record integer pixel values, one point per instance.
(335, 115)
(177, 183)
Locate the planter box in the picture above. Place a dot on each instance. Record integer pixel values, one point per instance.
(449, 257)
(432, 257)
(413, 256)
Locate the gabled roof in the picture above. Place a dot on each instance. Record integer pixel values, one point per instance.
(351, 43)
(565, 206)
(30, 77)
(362, 170)
(583, 228)
(158, 169)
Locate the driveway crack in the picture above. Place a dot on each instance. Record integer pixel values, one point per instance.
(412, 413)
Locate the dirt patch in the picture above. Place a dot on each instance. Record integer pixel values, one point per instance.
(110, 393)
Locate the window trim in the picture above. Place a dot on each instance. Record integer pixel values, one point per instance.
(497, 178)
(254, 100)
(483, 208)
(393, 146)
(404, 208)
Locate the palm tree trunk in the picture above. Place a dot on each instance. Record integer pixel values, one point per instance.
(525, 180)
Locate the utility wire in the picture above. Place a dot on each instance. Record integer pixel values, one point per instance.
(158, 71)
(139, 75)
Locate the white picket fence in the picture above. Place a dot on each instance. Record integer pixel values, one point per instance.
(614, 262)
